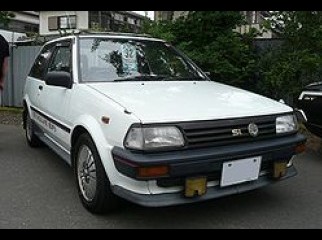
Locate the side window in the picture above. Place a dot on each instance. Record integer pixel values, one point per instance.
(38, 70)
(61, 59)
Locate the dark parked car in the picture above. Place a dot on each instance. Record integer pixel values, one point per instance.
(310, 102)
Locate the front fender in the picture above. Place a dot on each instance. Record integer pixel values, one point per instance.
(94, 128)
(104, 148)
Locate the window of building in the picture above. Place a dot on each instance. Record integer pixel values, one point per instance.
(125, 19)
(67, 22)
(62, 22)
(100, 20)
(252, 17)
(52, 23)
(118, 17)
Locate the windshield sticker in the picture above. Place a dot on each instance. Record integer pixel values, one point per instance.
(129, 59)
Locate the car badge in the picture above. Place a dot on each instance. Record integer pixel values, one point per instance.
(253, 129)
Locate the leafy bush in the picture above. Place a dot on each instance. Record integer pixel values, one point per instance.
(208, 37)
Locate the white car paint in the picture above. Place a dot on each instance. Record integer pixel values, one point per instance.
(126, 103)
(167, 101)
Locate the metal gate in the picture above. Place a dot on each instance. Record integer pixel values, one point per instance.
(20, 61)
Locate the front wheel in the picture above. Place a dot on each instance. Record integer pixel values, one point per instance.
(92, 182)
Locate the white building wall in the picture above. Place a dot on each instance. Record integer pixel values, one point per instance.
(22, 17)
(81, 20)
(177, 14)
(10, 36)
(245, 29)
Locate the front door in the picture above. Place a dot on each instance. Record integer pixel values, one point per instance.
(55, 101)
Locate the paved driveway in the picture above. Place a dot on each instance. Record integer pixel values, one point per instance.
(37, 190)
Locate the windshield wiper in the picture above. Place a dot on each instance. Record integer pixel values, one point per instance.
(157, 78)
(141, 78)
(170, 78)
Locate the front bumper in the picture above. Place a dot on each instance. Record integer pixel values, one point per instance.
(207, 162)
(172, 199)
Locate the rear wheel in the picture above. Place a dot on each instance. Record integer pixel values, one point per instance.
(32, 139)
(92, 182)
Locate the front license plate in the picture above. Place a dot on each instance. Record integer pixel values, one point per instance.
(239, 171)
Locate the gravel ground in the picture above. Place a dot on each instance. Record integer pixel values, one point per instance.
(314, 143)
(10, 118)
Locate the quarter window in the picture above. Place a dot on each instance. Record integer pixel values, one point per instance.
(38, 70)
(61, 60)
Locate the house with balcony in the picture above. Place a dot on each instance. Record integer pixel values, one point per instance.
(23, 23)
(53, 22)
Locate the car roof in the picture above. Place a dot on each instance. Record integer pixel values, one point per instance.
(117, 35)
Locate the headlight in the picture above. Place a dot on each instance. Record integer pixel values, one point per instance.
(286, 124)
(149, 138)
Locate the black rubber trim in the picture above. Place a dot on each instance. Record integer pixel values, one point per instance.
(185, 126)
(210, 153)
(171, 199)
(63, 127)
(207, 160)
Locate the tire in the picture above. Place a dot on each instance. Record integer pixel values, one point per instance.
(92, 182)
(32, 139)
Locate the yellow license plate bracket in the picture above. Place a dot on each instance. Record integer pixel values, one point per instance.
(195, 186)
(279, 169)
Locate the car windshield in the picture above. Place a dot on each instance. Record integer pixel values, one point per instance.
(115, 60)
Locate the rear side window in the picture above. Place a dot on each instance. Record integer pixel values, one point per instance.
(38, 70)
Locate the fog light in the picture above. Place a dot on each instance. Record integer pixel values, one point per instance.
(155, 171)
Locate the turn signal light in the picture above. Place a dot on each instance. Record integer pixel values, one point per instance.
(155, 171)
(105, 120)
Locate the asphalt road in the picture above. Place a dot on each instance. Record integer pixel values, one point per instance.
(37, 190)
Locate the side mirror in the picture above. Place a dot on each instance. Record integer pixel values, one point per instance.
(59, 79)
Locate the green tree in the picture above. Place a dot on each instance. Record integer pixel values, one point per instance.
(297, 61)
(162, 29)
(5, 17)
(208, 37)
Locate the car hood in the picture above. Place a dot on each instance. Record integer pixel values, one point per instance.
(166, 101)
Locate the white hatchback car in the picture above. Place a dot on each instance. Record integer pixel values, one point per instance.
(137, 119)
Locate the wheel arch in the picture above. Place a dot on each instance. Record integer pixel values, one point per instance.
(24, 114)
(87, 124)
(26, 108)
(77, 132)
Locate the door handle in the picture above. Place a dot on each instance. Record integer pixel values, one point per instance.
(41, 87)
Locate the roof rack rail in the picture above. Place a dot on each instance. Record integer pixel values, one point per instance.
(83, 32)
